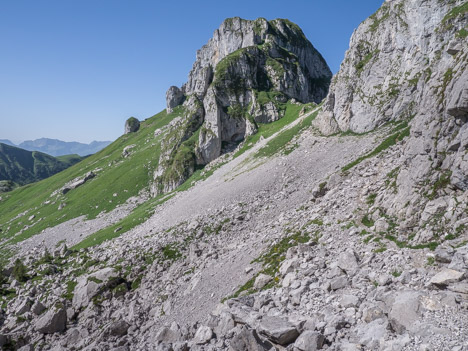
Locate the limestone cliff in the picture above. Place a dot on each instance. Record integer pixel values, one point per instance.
(408, 62)
(244, 75)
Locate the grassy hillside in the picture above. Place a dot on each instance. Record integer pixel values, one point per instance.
(23, 167)
(117, 179)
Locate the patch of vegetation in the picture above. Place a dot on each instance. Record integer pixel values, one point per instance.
(95, 280)
(316, 221)
(349, 225)
(371, 199)
(400, 132)
(20, 271)
(285, 137)
(455, 12)
(272, 259)
(137, 282)
(462, 33)
(396, 274)
(228, 61)
(379, 17)
(119, 176)
(441, 183)
(265, 130)
(139, 215)
(380, 249)
(71, 284)
(171, 252)
(368, 222)
(390, 182)
(403, 244)
(448, 76)
(361, 64)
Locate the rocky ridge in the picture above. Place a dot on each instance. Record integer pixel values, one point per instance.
(244, 75)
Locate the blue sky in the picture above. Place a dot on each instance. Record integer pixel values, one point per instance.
(75, 70)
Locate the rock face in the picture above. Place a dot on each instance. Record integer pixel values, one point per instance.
(244, 75)
(398, 66)
(407, 64)
(132, 125)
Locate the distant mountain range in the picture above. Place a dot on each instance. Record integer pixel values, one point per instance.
(57, 147)
(19, 167)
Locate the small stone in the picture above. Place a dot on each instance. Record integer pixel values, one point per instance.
(119, 328)
(349, 301)
(37, 308)
(309, 341)
(338, 283)
(262, 280)
(203, 335)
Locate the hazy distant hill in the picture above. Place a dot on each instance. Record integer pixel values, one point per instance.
(56, 147)
(7, 142)
(23, 167)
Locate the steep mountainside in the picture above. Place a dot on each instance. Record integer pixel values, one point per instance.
(23, 167)
(408, 62)
(56, 147)
(244, 75)
(349, 236)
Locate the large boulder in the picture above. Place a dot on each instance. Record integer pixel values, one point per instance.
(89, 286)
(278, 330)
(53, 321)
(174, 97)
(446, 276)
(248, 339)
(132, 125)
(405, 311)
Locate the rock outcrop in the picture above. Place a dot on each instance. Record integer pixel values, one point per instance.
(408, 63)
(244, 75)
(132, 125)
(174, 97)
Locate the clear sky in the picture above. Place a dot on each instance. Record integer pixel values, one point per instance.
(75, 70)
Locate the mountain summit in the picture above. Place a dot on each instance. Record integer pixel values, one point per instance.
(245, 75)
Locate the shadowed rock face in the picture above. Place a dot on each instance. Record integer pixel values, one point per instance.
(244, 75)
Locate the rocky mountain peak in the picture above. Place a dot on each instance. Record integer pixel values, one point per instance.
(244, 75)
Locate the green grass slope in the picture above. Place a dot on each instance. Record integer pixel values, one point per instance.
(23, 167)
(117, 179)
